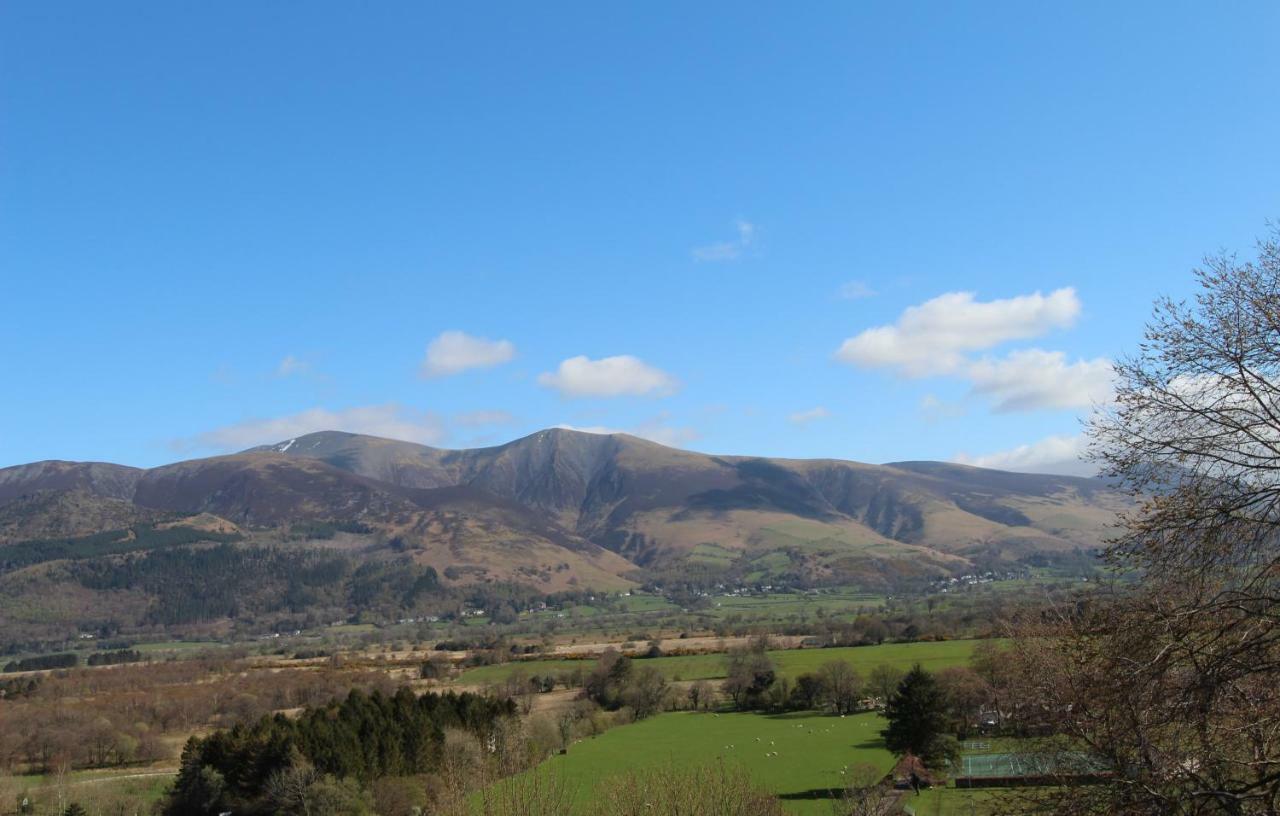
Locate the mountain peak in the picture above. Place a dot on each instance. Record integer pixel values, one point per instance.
(310, 444)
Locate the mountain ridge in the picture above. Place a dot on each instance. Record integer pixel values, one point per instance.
(337, 525)
(650, 504)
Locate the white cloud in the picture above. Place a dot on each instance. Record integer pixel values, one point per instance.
(1031, 379)
(938, 337)
(855, 290)
(390, 420)
(618, 376)
(292, 365)
(473, 418)
(454, 351)
(1053, 454)
(933, 337)
(728, 250)
(812, 414)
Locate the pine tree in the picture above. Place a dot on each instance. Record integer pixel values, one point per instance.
(917, 716)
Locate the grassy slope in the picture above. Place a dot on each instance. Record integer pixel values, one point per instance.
(932, 656)
(812, 749)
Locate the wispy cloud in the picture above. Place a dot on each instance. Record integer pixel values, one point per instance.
(728, 250)
(290, 366)
(390, 420)
(453, 352)
(855, 290)
(810, 415)
(1053, 454)
(618, 376)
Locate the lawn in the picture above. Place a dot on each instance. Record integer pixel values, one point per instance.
(953, 802)
(811, 750)
(790, 663)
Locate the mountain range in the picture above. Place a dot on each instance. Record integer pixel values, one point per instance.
(563, 508)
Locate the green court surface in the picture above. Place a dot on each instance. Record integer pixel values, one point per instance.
(1001, 765)
(1025, 764)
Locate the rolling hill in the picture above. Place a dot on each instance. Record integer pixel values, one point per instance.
(554, 511)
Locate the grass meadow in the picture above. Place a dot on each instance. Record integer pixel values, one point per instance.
(91, 788)
(790, 662)
(798, 756)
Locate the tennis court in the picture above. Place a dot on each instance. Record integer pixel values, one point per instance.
(997, 769)
(1006, 765)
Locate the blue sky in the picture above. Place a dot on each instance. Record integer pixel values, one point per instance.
(875, 231)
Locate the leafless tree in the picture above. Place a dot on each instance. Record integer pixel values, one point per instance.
(965, 693)
(841, 686)
(289, 790)
(1174, 680)
(646, 693)
(701, 696)
(883, 681)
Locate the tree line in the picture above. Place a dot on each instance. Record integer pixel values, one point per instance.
(338, 748)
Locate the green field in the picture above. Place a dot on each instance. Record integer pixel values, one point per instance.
(647, 603)
(641, 611)
(953, 802)
(138, 787)
(811, 750)
(834, 603)
(178, 646)
(790, 662)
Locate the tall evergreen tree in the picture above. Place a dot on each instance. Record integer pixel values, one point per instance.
(917, 716)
